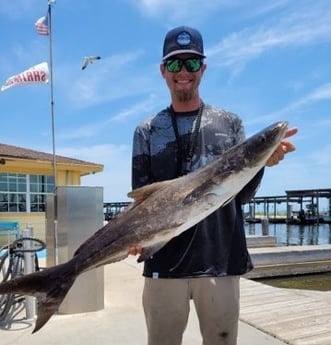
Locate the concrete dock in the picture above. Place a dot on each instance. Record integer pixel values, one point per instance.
(290, 260)
(269, 316)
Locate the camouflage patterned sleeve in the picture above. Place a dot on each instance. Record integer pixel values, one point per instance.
(140, 157)
(240, 130)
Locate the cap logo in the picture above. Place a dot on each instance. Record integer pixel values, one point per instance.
(183, 38)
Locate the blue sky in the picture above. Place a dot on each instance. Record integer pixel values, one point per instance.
(267, 61)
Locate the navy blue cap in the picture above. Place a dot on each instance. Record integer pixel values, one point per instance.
(181, 40)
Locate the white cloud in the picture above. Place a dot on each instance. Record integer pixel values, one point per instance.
(159, 7)
(138, 108)
(173, 11)
(321, 93)
(297, 27)
(103, 81)
(293, 174)
(94, 128)
(86, 131)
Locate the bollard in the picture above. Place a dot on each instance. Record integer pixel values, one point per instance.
(30, 304)
(265, 226)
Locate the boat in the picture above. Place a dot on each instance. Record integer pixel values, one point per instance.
(326, 218)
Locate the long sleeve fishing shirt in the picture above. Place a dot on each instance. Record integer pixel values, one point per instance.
(217, 245)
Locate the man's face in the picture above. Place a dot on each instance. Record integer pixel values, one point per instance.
(182, 82)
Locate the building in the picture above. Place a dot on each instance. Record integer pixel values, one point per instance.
(27, 176)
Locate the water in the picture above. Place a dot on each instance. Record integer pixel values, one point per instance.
(317, 281)
(294, 235)
(297, 235)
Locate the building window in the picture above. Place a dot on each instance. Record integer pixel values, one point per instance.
(24, 193)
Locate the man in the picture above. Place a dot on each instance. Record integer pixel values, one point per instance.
(205, 262)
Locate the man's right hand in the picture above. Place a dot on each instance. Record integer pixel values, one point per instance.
(135, 250)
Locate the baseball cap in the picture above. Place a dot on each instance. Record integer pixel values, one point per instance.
(182, 39)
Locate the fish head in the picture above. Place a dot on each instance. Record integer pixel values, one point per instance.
(259, 147)
(229, 174)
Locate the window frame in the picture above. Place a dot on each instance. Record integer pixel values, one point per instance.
(33, 191)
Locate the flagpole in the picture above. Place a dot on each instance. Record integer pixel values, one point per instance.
(52, 86)
(52, 257)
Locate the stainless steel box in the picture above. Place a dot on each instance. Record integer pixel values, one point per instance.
(78, 215)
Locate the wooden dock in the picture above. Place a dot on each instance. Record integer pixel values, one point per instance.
(296, 317)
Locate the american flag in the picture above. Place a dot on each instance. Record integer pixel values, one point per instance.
(42, 26)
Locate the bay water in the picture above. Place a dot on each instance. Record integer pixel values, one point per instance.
(297, 235)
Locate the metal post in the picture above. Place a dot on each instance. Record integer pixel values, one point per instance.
(30, 305)
(265, 226)
(252, 211)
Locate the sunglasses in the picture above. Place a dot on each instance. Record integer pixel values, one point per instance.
(175, 65)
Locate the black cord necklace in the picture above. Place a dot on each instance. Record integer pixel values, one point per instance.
(184, 160)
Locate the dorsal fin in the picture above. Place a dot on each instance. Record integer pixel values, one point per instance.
(142, 193)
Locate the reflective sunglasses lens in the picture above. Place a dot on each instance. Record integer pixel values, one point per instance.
(174, 65)
(193, 65)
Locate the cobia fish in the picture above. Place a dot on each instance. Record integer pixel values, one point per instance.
(160, 211)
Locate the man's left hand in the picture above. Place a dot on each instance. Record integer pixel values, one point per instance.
(284, 147)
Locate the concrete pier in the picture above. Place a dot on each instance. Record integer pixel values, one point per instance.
(282, 261)
(255, 241)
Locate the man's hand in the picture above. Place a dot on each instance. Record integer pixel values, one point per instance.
(284, 147)
(135, 250)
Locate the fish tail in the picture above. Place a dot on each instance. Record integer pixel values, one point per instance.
(49, 286)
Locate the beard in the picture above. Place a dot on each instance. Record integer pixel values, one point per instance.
(184, 95)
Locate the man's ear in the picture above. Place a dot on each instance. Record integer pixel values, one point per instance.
(162, 69)
(203, 68)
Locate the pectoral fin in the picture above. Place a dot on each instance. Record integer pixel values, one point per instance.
(142, 193)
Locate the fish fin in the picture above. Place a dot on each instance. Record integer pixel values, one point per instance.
(48, 306)
(148, 252)
(142, 193)
(50, 286)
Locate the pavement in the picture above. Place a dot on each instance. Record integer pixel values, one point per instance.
(120, 322)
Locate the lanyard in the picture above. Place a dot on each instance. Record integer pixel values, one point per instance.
(184, 161)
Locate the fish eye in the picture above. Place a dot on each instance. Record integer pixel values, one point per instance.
(263, 138)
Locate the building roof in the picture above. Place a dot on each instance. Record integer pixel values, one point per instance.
(10, 153)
